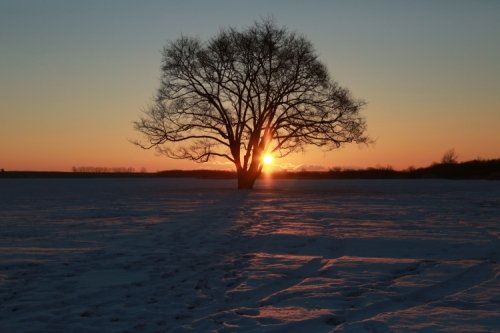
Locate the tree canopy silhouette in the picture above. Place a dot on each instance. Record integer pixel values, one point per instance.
(246, 93)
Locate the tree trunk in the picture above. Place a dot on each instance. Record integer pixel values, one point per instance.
(246, 179)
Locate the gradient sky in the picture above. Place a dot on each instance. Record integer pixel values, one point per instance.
(74, 75)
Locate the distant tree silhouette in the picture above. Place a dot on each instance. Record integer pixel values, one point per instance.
(92, 169)
(449, 157)
(246, 93)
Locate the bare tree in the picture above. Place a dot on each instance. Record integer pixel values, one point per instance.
(246, 93)
(449, 157)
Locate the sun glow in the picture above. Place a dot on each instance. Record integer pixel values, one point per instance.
(267, 159)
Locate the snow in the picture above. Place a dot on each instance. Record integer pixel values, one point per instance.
(186, 255)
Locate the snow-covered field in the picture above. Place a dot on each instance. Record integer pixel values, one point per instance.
(179, 255)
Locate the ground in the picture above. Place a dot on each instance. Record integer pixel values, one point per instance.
(177, 255)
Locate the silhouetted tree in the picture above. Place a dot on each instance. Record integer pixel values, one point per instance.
(449, 157)
(245, 93)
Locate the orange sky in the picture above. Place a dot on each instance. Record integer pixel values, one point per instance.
(74, 77)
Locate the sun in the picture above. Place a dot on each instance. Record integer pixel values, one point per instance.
(267, 159)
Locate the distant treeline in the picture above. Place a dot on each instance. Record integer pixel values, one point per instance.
(109, 173)
(475, 169)
(93, 169)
